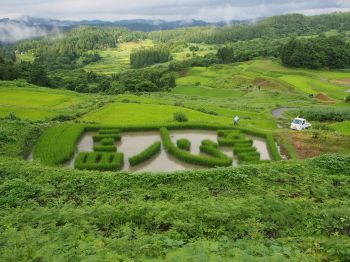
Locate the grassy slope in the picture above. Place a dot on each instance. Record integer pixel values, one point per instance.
(38, 103)
(268, 74)
(279, 211)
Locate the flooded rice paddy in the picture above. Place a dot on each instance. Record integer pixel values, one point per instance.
(133, 143)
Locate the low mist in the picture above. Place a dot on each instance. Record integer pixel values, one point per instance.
(14, 31)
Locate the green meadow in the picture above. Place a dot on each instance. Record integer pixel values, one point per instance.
(38, 103)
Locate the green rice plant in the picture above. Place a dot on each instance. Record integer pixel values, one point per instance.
(184, 144)
(115, 137)
(271, 144)
(225, 133)
(233, 142)
(188, 157)
(109, 131)
(214, 152)
(101, 161)
(148, 153)
(57, 144)
(107, 148)
(208, 142)
(272, 147)
(235, 136)
(249, 156)
(243, 149)
(107, 141)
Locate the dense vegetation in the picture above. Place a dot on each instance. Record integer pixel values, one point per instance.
(148, 56)
(267, 212)
(337, 114)
(270, 28)
(332, 52)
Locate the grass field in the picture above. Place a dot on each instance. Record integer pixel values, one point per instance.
(36, 103)
(116, 59)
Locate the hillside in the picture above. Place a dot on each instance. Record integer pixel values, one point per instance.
(266, 212)
(203, 143)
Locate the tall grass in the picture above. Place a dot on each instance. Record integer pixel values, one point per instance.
(148, 153)
(57, 144)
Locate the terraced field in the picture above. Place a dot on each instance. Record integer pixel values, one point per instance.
(35, 103)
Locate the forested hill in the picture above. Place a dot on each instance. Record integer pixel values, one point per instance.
(65, 61)
(273, 27)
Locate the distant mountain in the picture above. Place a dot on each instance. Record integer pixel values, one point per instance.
(14, 30)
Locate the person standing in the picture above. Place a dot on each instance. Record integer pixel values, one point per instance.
(236, 120)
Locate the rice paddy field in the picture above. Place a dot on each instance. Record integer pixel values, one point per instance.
(35, 103)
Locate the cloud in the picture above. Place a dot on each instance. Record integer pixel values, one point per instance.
(210, 10)
(11, 31)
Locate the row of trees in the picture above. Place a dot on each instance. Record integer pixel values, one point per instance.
(315, 53)
(270, 28)
(148, 56)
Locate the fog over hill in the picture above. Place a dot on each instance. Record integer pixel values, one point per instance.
(14, 30)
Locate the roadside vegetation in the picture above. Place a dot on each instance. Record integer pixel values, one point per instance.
(226, 213)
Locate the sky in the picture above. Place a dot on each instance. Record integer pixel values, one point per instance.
(208, 10)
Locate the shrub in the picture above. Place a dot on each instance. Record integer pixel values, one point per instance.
(102, 161)
(107, 141)
(208, 142)
(106, 148)
(184, 144)
(148, 153)
(180, 117)
(188, 157)
(98, 138)
(12, 116)
(347, 99)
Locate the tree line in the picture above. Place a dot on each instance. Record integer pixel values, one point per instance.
(270, 28)
(315, 53)
(142, 57)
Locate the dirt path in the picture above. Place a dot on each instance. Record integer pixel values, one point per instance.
(278, 112)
